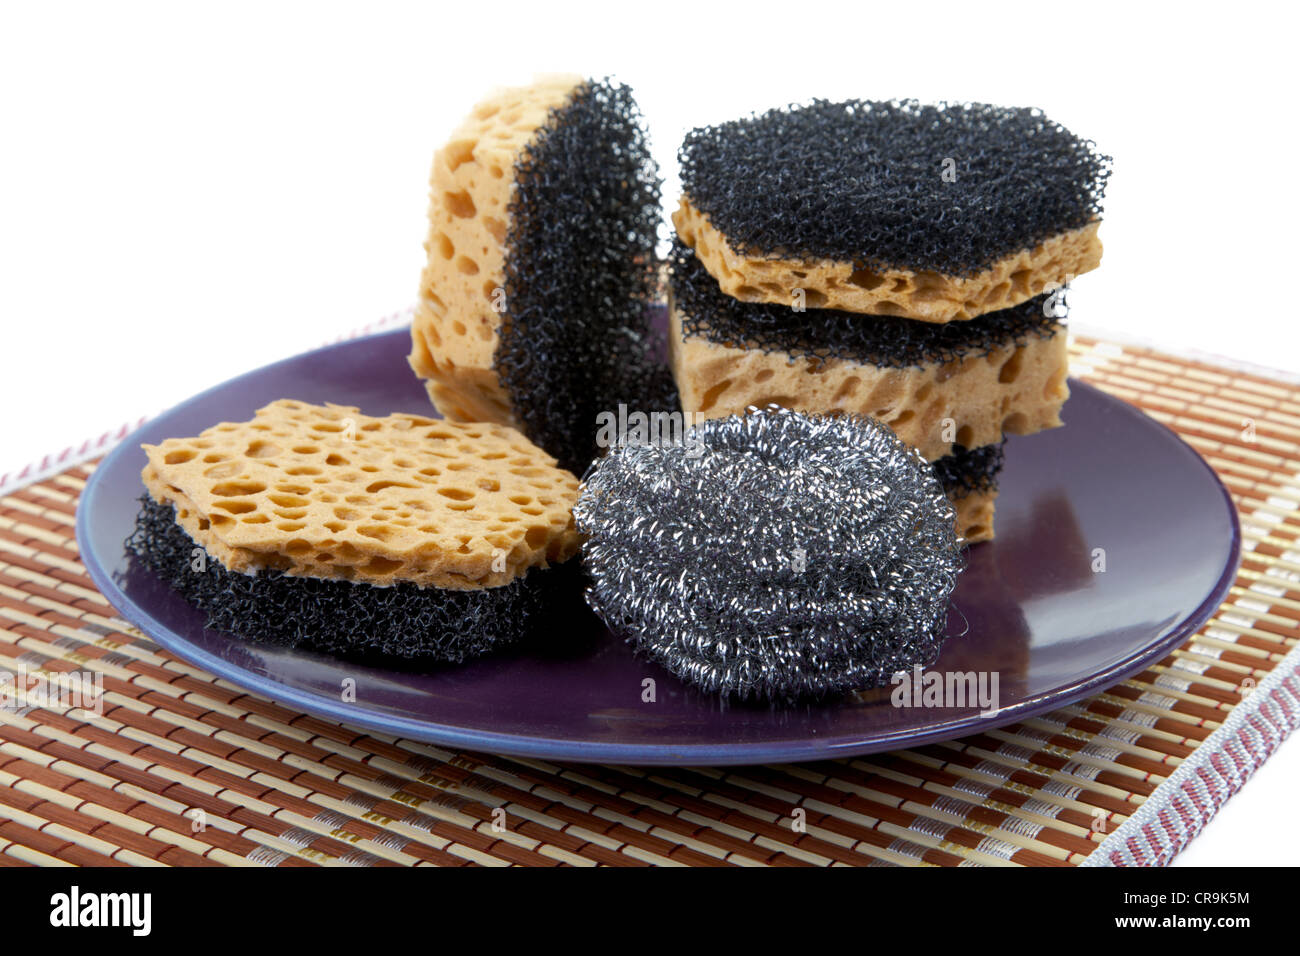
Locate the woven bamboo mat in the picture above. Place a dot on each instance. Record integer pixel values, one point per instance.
(185, 769)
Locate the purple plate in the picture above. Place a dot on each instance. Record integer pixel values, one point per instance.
(1115, 542)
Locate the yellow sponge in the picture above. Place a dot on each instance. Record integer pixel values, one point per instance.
(327, 492)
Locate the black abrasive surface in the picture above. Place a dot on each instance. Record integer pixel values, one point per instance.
(893, 185)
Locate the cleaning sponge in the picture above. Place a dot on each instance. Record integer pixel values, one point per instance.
(322, 527)
(326, 491)
(351, 618)
(933, 212)
(534, 307)
(936, 385)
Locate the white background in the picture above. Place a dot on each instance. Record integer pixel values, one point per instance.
(187, 193)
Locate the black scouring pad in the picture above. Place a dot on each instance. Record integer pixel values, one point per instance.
(882, 340)
(865, 181)
(581, 274)
(970, 470)
(347, 618)
(775, 556)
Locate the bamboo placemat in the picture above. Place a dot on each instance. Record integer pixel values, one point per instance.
(186, 769)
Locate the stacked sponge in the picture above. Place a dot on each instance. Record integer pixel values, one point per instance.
(890, 259)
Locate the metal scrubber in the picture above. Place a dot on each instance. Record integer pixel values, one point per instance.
(772, 555)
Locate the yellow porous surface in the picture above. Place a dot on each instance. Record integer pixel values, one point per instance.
(327, 492)
(462, 294)
(971, 401)
(851, 287)
(974, 515)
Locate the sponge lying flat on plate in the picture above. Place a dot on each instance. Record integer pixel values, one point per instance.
(335, 530)
(932, 213)
(324, 491)
(353, 618)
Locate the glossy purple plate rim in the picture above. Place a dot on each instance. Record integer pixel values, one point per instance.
(600, 751)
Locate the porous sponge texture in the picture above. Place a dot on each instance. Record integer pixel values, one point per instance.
(949, 188)
(974, 522)
(1016, 388)
(820, 334)
(351, 618)
(969, 477)
(851, 286)
(327, 492)
(462, 287)
(541, 266)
